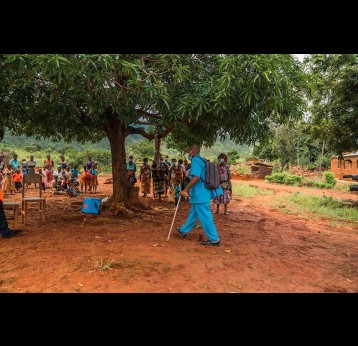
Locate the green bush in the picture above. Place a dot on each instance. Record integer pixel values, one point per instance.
(284, 178)
(329, 178)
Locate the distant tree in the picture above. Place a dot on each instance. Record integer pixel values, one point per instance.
(334, 100)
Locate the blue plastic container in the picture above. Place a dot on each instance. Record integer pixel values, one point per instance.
(91, 205)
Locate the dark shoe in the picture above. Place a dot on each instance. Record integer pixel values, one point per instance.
(11, 233)
(212, 242)
(181, 234)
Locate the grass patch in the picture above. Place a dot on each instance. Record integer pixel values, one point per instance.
(325, 206)
(103, 266)
(247, 191)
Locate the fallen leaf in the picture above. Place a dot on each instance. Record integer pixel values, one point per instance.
(349, 280)
(80, 284)
(155, 244)
(228, 251)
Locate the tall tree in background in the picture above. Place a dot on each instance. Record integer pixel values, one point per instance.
(193, 97)
(334, 100)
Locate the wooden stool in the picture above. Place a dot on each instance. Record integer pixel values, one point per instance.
(15, 207)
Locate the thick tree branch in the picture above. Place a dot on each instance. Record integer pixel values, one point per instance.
(139, 131)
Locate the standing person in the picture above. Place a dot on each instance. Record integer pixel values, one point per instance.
(83, 179)
(64, 164)
(8, 183)
(225, 182)
(17, 177)
(94, 181)
(200, 200)
(131, 169)
(15, 163)
(186, 178)
(44, 179)
(75, 171)
(167, 162)
(24, 166)
(50, 167)
(2, 163)
(144, 177)
(31, 165)
(158, 173)
(5, 231)
(89, 163)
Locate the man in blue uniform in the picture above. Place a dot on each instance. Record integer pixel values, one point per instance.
(200, 200)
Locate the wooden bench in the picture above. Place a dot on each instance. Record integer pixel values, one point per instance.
(15, 207)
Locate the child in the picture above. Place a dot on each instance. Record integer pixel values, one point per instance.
(8, 183)
(177, 191)
(74, 170)
(44, 179)
(16, 177)
(83, 179)
(94, 181)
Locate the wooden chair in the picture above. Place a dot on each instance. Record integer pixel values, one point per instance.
(15, 207)
(38, 199)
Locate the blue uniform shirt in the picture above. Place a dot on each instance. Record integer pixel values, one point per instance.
(199, 193)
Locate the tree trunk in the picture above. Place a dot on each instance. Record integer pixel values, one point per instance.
(116, 132)
(321, 161)
(157, 143)
(124, 196)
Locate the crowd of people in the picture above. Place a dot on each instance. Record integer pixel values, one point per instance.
(167, 178)
(60, 177)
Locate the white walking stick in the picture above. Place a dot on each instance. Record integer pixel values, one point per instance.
(176, 209)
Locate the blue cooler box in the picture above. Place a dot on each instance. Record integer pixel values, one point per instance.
(91, 205)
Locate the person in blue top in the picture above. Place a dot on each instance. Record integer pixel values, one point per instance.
(15, 163)
(200, 198)
(131, 170)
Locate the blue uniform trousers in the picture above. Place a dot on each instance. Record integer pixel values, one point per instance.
(202, 212)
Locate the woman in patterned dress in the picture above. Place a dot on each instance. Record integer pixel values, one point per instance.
(225, 182)
(144, 177)
(159, 172)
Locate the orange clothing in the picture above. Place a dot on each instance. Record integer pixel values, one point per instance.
(1, 196)
(16, 177)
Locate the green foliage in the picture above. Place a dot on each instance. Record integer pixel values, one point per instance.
(247, 191)
(284, 178)
(240, 169)
(323, 206)
(329, 178)
(141, 149)
(318, 184)
(232, 155)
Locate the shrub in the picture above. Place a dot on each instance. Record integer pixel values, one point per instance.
(329, 178)
(284, 178)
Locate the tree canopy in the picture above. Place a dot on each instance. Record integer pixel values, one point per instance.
(334, 100)
(192, 96)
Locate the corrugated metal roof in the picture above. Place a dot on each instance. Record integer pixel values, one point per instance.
(353, 153)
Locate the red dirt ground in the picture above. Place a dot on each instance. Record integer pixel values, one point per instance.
(262, 250)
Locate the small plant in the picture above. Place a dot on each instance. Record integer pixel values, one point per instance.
(329, 178)
(284, 178)
(102, 267)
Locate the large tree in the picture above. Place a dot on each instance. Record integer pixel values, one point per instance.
(334, 100)
(196, 97)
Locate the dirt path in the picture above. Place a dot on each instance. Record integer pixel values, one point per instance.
(262, 250)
